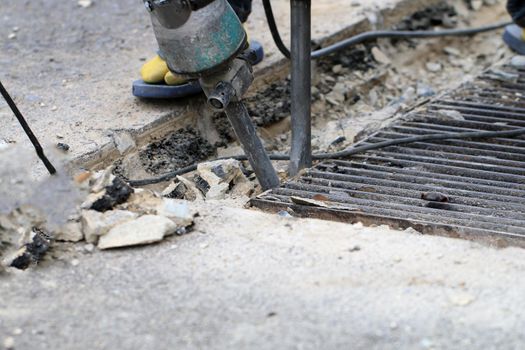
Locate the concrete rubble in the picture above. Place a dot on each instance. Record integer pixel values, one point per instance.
(104, 211)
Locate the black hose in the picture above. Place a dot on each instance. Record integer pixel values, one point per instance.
(347, 152)
(270, 18)
(38, 148)
(367, 36)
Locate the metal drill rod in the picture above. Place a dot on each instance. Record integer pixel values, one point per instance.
(301, 151)
(252, 145)
(38, 148)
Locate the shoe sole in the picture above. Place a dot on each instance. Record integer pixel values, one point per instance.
(516, 44)
(142, 89)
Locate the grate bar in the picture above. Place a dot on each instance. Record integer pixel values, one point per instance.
(415, 212)
(414, 172)
(369, 183)
(453, 149)
(457, 200)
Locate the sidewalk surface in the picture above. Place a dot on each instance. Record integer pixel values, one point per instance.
(248, 280)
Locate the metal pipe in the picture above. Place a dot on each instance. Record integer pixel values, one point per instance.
(252, 145)
(301, 151)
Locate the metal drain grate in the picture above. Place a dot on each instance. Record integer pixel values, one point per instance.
(479, 185)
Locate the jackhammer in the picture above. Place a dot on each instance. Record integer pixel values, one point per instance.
(204, 39)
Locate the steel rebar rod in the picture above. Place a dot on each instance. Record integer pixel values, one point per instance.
(301, 150)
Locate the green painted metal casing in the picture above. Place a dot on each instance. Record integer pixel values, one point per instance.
(205, 43)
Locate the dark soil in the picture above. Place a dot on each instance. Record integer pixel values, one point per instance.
(442, 15)
(178, 150)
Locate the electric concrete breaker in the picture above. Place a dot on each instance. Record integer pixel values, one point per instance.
(204, 40)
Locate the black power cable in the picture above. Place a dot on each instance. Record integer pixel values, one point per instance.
(38, 148)
(367, 36)
(349, 151)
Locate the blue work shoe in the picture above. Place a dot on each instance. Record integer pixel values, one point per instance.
(164, 91)
(514, 37)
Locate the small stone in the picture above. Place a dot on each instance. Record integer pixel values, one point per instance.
(426, 343)
(89, 248)
(462, 299)
(123, 141)
(15, 29)
(379, 56)
(412, 231)
(449, 114)
(476, 4)
(17, 331)
(433, 67)
(9, 343)
(85, 3)
(424, 90)
(75, 262)
(11, 36)
(63, 146)
(452, 51)
(337, 68)
(54, 108)
(144, 230)
(518, 62)
(284, 214)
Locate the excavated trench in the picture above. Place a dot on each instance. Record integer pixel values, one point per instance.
(354, 92)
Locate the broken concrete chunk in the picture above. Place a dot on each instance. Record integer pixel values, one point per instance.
(176, 190)
(142, 202)
(179, 212)
(31, 253)
(144, 230)
(117, 193)
(221, 177)
(70, 232)
(101, 180)
(96, 224)
(192, 193)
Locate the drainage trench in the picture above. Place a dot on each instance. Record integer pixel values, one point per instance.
(479, 184)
